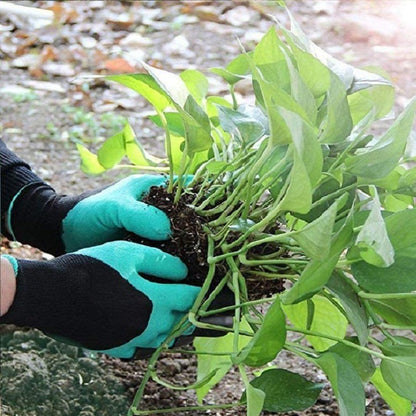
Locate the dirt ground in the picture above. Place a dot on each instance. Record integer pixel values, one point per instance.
(46, 105)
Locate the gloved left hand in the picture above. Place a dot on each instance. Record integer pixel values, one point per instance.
(61, 224)
(98, 297)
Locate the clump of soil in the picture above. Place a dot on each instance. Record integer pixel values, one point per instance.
(188, 241)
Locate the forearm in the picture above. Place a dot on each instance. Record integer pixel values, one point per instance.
(7, 285)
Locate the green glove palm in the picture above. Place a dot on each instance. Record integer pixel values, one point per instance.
(170, 302)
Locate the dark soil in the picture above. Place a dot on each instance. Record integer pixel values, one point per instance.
(39, 375)
(188, 241)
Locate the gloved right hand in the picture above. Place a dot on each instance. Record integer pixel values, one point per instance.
(98, 298)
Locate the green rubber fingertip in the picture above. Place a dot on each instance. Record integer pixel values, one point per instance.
(161, 264)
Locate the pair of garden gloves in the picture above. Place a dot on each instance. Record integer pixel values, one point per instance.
(95, 295)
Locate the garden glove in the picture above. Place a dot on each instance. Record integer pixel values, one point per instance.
(61, 224)
(98, 298)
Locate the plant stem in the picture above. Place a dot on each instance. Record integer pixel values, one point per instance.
(242, 304)
(382, 296)
(400, 327)
(135, 411)
(168, 147)
(160, 169)
(196, 352)
(341, 341)
(177, 331)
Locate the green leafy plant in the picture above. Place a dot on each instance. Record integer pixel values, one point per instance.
(296, 188)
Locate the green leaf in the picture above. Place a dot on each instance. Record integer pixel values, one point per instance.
(351, 303)
(146, 86)
(305, 144)
(315, 237)
(327, 320)
(270, 60)
(170, 83)
(300, 91)
(174, 122)
(362, 361)
(89, 161)
(400, 375)
(353, 78)
(380, 159)
(245, 127)
(400, 311)
(210, 362)
(112, 151)
(196, 83)
(298, 196)
(317, 273)
(364, 79)
(123, 144)
(345, 382)
(378, 97)
(267, 341)
(307, 164)
(337, 124)
(400, 405)
(399, 345)
(285, 391)
(373, 241)
(236, 70)
(313, 72)
(408, 182)
(197, 127)
(134, 150)
(255, 399)
(399, 277)
(400, 227)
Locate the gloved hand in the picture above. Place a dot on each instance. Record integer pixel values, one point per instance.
(61, 224)
(98, 298)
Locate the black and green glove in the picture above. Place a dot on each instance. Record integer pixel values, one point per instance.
(98, 298)
(62, 224)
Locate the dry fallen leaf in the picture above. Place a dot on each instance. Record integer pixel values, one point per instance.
(119, 66)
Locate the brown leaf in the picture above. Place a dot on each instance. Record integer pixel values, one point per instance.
(23, 48)
(64, 13)
(36, 72)
(119, 66)
(207, 13)
(49, 53)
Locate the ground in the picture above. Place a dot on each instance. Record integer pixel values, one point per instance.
(46, 104)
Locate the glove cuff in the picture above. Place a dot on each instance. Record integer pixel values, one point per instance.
(35, 217)
(15, 175)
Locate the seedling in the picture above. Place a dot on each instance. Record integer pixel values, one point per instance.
(295, 191)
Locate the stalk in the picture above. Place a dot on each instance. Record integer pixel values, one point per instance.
(168, 147)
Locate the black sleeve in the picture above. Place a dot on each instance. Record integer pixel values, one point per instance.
(14, 175)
